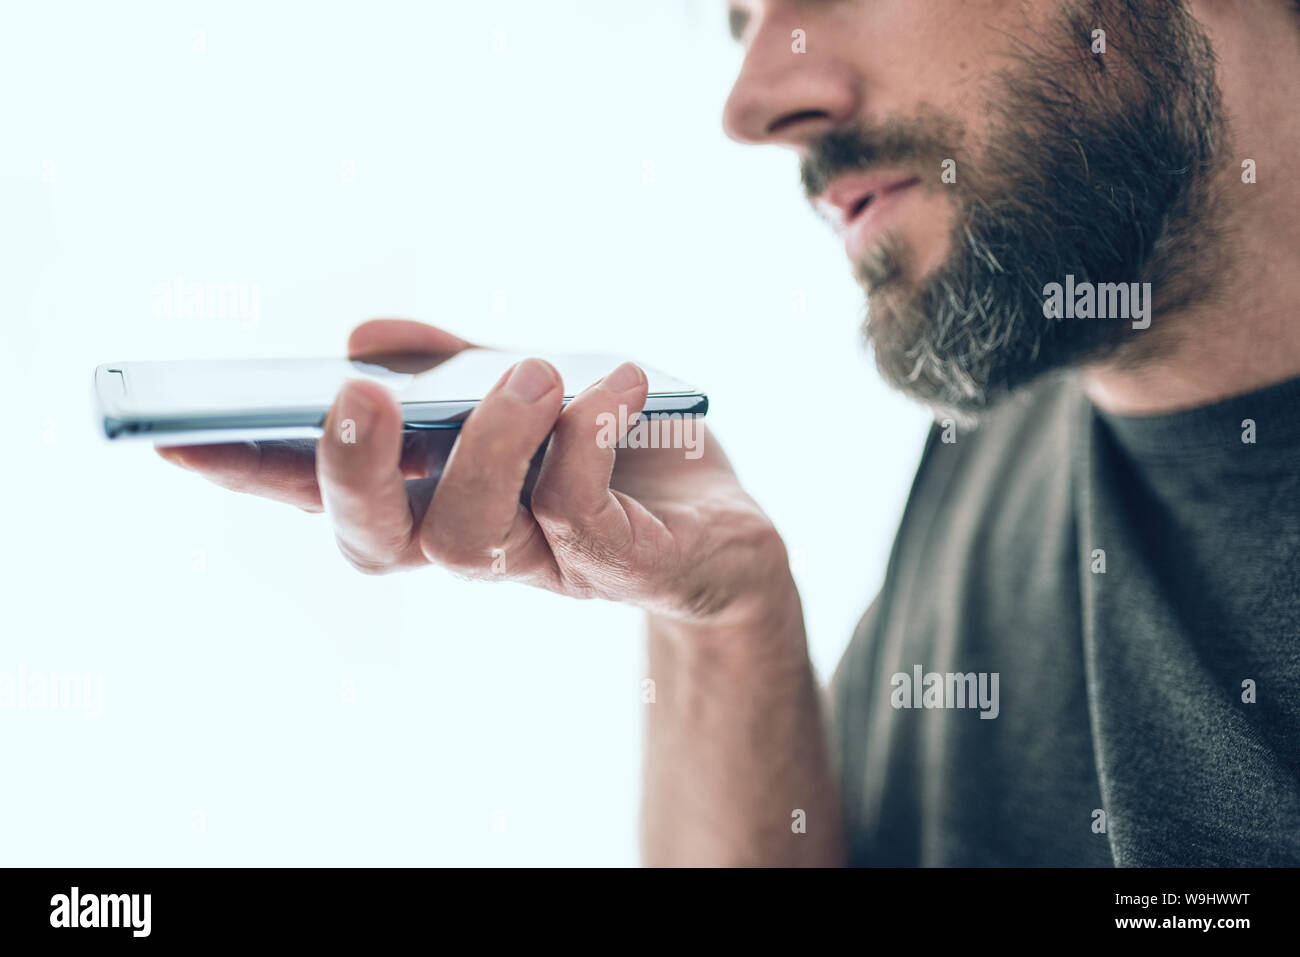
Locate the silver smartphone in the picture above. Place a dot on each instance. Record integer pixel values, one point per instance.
(205, 401)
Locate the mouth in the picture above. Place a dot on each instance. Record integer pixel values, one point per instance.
(859, 206)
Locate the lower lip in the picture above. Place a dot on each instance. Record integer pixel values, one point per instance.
(871, 222)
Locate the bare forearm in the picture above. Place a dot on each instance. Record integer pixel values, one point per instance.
(737, 770)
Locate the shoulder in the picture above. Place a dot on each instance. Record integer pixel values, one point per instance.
(981, 491)
(1014, 446)
(985, 486)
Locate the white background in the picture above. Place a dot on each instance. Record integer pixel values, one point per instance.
(542, 175)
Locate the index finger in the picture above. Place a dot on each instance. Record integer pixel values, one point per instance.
(283, 471)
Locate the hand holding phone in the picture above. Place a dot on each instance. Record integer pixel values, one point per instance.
(651, 526)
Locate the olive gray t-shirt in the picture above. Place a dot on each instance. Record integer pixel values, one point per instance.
(1134, 586)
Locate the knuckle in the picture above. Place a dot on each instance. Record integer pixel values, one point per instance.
(490, 477)
(548, 508)
(448, 552)
(564, 532)
(365, 564)
(377, 558)
(589, 566)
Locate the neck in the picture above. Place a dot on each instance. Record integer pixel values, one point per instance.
(1247, 334)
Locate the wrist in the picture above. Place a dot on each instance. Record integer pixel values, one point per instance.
(763, 628)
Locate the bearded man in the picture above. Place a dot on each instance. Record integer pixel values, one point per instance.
(1078, 230)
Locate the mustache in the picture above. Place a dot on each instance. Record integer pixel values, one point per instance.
(917, 142)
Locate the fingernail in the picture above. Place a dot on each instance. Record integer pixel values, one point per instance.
(627, 376)
(531, 380)
(355, 413)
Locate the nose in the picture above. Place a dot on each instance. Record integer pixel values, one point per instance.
(786, 98)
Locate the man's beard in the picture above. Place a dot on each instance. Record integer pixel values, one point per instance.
(1097, 166)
